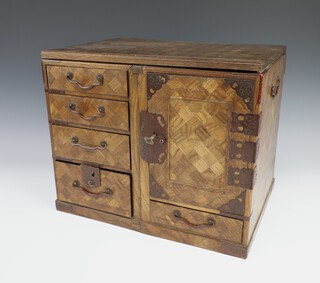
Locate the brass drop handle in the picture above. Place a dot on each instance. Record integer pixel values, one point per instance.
(101, 110)
(150, 140)
(275, 88)
(99, 81)
(107, 192)
(177, 215)
(75, 142)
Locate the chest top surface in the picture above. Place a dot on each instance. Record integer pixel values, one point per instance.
(249, 58)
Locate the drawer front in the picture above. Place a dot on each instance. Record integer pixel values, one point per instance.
(91, 146)
(109, 114)
(88, 80)
(195, 221)
(113, 195)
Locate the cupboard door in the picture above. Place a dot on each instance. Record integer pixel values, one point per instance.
(185, 138)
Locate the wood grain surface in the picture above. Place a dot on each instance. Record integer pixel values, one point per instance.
(164, 53)
(222, 227)
(116, 153)
(197, 109)
(91, 213)
(114, 80)
(118, 202)
(270, 107)
(203, 175)
(115, 115)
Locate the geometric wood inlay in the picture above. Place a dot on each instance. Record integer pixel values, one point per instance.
(114, 81)
(118, 202)
(116, 152)
(198, 141)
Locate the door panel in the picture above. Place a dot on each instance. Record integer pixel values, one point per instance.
(195, 113)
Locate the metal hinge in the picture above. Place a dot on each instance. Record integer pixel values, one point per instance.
(241, 177)
(247, 124)
(242, 150)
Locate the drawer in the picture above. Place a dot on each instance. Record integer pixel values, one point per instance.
(113, 195)
(91, 146)
(87, 80)
(109, 114)
(198, 222)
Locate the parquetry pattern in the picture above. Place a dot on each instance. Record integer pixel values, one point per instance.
(116, 154)
(223, 227)
(198, 135)
(119, 202)
(116, 112)
(197, 110)
(231, 200)
(115, 81)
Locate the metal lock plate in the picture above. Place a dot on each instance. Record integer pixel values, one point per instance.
(90, 176)
(153, 137)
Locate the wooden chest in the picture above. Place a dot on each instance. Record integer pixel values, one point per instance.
(173, 139)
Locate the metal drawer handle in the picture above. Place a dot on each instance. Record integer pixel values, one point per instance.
(150, 140)
(275, 88)
(99, 81)
(75, 142)
(107, 192)
(101, 110)
(177, 214)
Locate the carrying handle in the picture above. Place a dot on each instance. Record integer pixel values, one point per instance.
(275, 87)
(101, 110)
(75, 142)
(177, 214)
(99, 81)
(107, 192)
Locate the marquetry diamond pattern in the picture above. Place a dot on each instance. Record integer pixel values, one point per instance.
(115, 117)
(114, 81)
(197, 111)
(116, 153)
(117, 202)
(222, 227)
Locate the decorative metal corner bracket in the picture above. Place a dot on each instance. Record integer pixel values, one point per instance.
(244, 89)
(155, 82)
(156, 191)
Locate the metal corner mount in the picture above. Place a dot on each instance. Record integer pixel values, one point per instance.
(244, 89)
(155, 82)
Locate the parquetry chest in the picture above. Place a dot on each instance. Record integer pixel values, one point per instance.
(172, 139)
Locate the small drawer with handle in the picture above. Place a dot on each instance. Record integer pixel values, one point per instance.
(91, 146)
(110, 114)
(202, 223)
(84, 79)
(102, 190)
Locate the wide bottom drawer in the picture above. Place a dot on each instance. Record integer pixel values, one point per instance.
(198, 222)
(112, 195)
